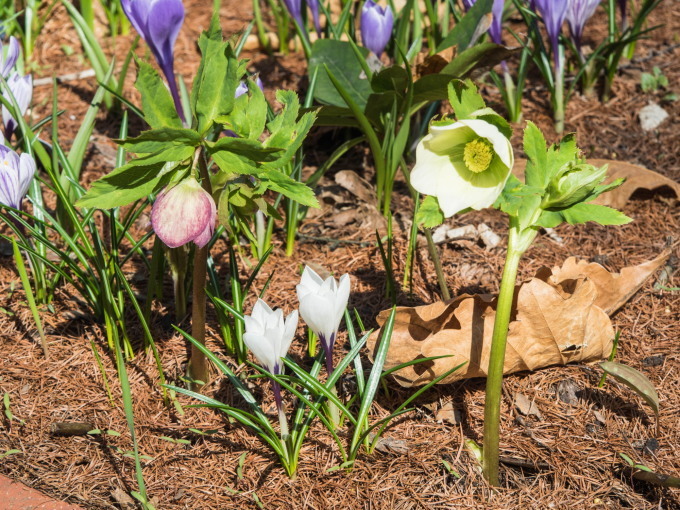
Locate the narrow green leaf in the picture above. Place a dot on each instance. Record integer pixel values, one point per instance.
(635, 380)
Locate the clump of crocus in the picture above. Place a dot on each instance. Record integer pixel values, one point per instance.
(465, 164)
(21, 88)
(322, 305)
(578, 13)
(183, 213)
(8, 61)
(16, 174)
(268, 335)
(159, 23)
(376, 26)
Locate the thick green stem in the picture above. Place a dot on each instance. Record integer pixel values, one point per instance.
(333, 409)
(494, 381)
(559, 101)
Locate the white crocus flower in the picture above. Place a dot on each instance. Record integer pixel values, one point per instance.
(465, 164)
(322, 305)
(269, 336)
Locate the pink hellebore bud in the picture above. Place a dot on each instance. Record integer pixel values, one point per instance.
(183, 214)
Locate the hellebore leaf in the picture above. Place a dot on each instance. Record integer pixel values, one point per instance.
(391, 79)
(249, 115)
(582, 213)
(216, 80)
(156, 140)
(431, 87)
(249, 149)
(341, 60)
(157, 105)
(429, 213)
(124, 185)
(289, 187)
(464, 98)
(286, 133)
(635, 380)
(535, 173)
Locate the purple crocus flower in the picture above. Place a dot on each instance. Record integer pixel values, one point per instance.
(159, 23)
(184, 213)
(16, 174)
(21, 88)
(496, 28)
(578, 13)
(553, 13)
(295, 10)
(376, 26)
(314, 7)
(7, 61)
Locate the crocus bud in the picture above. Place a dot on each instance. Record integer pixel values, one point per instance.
(269, 336)
(578, 13)
(295, 10)
(322, 305)
(184, 213)
(314, 7)
(464, 164)
(376, 26)
(553, 13)
(21, 88)
(8, 61)
(573, 184)
(16, 174)
(159, 23)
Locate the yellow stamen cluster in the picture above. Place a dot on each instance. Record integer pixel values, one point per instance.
(477, 155)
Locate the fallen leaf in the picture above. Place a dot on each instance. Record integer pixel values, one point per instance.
(613, 289)
(527, 407)
(566, 391)
(390, 445)
(637, 178)
(449, 414)
(356, 185)
(559, 318)
(660, 479)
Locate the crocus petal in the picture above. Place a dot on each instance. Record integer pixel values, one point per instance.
(183, 214)
(163, 26)
(16, 174)
(21, 87)
(314, 7)
(8, 61)
(553, 13)
(376, 26)
(268, 335)
(261, 348)
(578, 13)
(341, 298)
(27, 170)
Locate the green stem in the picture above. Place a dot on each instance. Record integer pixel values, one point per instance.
(434, 255)
(333, 409)
(559, 100)
(494, 381)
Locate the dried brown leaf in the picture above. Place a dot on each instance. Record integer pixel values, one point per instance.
(559, 317)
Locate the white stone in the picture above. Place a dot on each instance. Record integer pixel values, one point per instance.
(651, 116)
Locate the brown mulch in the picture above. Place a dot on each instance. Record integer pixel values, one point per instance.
(575, 444)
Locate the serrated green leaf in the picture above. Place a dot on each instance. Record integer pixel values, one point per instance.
(157, 104)
(250, 149)
(249, 115)
(218, 75)
(464, 98)
(582, 213)
(635, 380)
(156, 140)
(536, 170)
(429, 214)
(549, 219)
(124, 185)
(295, 190)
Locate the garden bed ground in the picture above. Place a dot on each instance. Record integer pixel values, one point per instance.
(575, 445)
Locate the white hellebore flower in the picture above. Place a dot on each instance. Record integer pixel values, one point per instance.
(269, 336)
(464, 164)
(322, 305)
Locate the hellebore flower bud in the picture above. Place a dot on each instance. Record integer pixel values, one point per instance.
(464, 164)
(21, 88)
(376, 26)
(574, 183)
(16, 174)
(322, 305)
(159, 23)
(7, 61)
(184, 213)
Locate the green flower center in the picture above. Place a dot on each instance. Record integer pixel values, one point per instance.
(477, 155)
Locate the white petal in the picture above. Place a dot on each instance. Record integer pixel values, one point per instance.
(261, 311)
(27, 169)
(432, 173)
(318, 313)
(291, 323)
(262, 348)
(341, 298)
